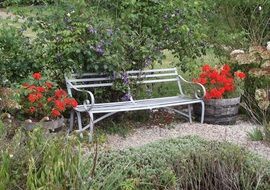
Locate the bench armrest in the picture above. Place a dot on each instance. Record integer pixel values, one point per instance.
(88, 104)
(198, 89)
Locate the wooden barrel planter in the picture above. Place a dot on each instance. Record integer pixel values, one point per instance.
(219, 111)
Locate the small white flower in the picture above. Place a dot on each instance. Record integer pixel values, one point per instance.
(18, 107)
(260, 8)
(268, 46)
(173, 15)
(11, 155)
(72, 11)
(68, 14)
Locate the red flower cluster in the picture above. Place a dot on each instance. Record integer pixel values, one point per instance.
(240, 74)
(61, 101)
(37, 76)
(43, 99)
(218, 82)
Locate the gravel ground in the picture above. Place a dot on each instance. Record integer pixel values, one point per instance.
(236, 134)
(5, 15)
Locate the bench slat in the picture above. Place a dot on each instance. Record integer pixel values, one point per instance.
(90, 79)
(129, 72)
(93, 85)
(151, 71)
(157, 81)
(88, 74)
(141, 100)
(152, 76)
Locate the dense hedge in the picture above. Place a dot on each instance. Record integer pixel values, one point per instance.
(184, 163)
(30, 160)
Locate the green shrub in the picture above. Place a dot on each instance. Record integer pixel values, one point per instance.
(17, 59)
(30, 160)
(187, 163)
(251, 16)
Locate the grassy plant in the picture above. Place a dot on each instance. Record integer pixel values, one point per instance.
(255, 135)
(258, 112)
(122, 128)
(30, 160)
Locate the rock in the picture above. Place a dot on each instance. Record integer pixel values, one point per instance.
(7, 99)
(236, 52)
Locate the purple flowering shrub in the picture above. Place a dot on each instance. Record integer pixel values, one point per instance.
(109, 37)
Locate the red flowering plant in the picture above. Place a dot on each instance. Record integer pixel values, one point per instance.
(41, 98)
(221, 82)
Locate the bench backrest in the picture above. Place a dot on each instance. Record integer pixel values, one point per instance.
(94, 80)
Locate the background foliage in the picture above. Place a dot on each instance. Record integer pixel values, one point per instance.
(106, 36)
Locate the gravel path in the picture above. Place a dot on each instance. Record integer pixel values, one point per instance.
(236, 134)
(4, 14)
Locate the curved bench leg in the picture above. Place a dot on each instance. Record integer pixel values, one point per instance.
(79, 123)
(91, 128)
(189, 114)
(71, 121)
(203, 110)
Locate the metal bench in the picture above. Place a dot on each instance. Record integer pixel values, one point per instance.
(87, 81)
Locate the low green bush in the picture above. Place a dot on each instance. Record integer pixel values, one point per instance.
(37, 160)
(184, 163)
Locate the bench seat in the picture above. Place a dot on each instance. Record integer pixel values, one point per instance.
(144, 104)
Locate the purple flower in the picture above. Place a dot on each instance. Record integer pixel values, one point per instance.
(126, 97)
(71, 28)
(178, 12)
(148, 61)
(92, 30)
(59, 57)
(165, 16)
(124, 77)
(58, 38)
(180, 21)
(67, 20)
(167, 29)
(22, 30)
(100, 49)
(109, 32)
(113, 76)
